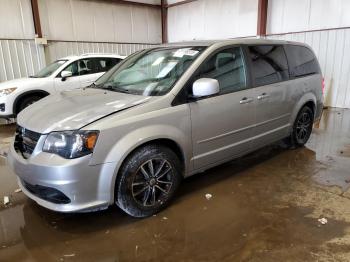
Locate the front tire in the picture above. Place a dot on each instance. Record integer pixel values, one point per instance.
(148, 180)
(302, 128)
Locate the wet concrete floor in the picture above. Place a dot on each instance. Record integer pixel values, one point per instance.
(264, 207)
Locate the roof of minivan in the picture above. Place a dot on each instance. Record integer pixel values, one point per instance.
(249, 41)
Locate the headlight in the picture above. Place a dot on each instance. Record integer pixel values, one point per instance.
(71, 144)
(7, 91)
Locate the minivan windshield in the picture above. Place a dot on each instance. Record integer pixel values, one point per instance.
(47, 71)
(151, 72)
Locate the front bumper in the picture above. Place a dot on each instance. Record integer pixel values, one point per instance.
(6, 105)
(88, 187)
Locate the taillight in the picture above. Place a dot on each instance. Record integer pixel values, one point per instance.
(323, 85)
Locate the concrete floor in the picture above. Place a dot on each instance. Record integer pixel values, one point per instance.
(265, 207)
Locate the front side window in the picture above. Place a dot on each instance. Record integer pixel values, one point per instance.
(50, 69)
(82, 67)
(150, 73)
(269, 64)
(302, 61)
(228, 68)
(73, 67)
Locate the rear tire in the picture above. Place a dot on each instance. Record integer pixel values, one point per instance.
(27, 101)
(302, 128)
(148, 180)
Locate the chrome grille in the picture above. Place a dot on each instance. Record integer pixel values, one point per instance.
(25, 141)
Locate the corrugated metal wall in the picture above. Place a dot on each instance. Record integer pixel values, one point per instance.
(304, 15)
(78, 26)
(20, 58)
(55, 50)
(72, 27)
(208, 19)
(16, 19)
(332, 48)
(99, 21)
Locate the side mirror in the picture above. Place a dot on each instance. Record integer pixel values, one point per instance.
(65, 75)
(205, 87)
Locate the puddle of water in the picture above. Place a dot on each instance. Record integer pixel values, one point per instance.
(332, 146)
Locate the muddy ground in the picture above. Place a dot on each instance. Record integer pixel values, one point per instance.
(264, 207)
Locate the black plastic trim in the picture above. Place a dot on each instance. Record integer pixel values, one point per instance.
(47, 193)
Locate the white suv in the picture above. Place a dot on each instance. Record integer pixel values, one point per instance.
(62, 75)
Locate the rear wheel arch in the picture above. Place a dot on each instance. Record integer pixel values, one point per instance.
(308, 99)
(311, 104)
(21, 97)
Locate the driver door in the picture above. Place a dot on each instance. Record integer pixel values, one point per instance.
(223, 124)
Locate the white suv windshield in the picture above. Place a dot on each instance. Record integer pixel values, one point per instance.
(47, 71)
(151, 73)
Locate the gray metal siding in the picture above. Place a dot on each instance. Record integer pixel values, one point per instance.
(56, 50)
(332, 47)
(20, 58)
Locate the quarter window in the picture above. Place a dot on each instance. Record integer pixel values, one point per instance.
(302, 61)
(228, 68)
(269, 64)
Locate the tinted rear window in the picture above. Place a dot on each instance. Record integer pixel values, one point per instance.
(269, 64)
(302, 61)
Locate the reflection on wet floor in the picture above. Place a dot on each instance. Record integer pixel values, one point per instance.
(331, 142)
(264, 207)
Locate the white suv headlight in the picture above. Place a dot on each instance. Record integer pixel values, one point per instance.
(71, 144)
(7, 91)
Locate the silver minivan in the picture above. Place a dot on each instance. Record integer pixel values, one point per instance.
(161, 115)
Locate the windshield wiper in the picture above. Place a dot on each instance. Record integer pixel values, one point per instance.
(93, 85)
(115, 89)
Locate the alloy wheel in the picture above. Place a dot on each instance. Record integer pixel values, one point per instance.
(304, 127)
(152, 183)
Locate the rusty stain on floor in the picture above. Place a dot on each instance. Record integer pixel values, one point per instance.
(263, 207)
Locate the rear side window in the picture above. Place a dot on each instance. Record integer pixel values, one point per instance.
(269, 64)
(104, 64)
(302, 61)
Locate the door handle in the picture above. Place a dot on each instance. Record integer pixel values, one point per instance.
(246, 100)
(263, 96)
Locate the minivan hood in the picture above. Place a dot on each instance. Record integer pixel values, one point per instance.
(71, 110)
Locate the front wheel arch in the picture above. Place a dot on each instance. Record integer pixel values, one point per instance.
(123, 194)
(170, 144)
(17, 102)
